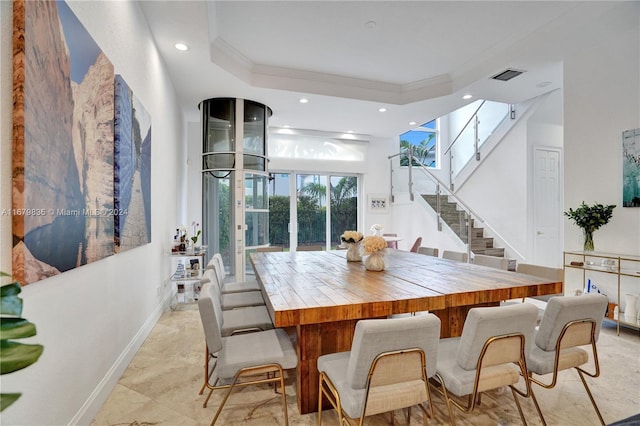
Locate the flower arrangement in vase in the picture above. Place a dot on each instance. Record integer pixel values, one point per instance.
(351, 240)
(374, 247)
(590, 218)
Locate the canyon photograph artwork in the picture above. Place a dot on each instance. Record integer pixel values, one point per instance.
(63, 206)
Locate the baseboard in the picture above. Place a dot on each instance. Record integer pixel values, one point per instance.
(96, 399)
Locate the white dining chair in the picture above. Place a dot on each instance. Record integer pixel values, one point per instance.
(489, 354)
(242, 359)
(455, 255)
(232, 300)
(428, 251)
(387, 368)
(569, 324)
(230, 286)
(491, 261)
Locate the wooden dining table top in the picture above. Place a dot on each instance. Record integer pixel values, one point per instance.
(321, 286)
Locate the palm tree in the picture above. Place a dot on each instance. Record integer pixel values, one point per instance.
(421, 151)
(345, 188)
(315, 190)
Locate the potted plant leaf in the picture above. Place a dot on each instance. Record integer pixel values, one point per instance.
(14, 355)
(590, 218)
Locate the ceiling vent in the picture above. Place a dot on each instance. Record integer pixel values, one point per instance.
(507, 75)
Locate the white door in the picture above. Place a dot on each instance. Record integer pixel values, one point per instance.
(547, 208)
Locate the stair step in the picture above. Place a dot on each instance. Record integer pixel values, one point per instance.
(493, 251)
(481, 243)
(456, 219)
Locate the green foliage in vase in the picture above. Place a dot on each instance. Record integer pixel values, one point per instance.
(590, 218)
(14, 355)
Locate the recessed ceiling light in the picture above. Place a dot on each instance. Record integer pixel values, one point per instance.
(304, 100)
(382, 109)
(286, 126)
(467, 96)
(370, 25)
(412, 123)
(349, 131)
(181, 46)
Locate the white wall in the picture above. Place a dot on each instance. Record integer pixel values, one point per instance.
(601, 94)
(91, 320)
(376, 181)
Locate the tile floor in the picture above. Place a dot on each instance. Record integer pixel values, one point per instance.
(161, 386)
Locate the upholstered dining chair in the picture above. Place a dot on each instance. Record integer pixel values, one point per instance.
(235, 321)
(391, 244)
(232, 300)
(429, 251)
(242, 359)
(249, 318)
(491, 261)
(387, 368)
(416, 245)
(228, 286)
(455, 255)
(568, 322)
(488, 355)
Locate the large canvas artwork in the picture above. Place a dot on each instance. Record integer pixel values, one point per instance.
(63, 151)
(132, 169)
(631, 168)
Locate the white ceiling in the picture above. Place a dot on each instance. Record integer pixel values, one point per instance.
(416, 58)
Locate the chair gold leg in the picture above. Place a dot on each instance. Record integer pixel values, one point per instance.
(445, 394)
(431, 412)
(593, 401)
(207, 400)
(535, 402)
(284, 399)
(224, 400)
(515, 398)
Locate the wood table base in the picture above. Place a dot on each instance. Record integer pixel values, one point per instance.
(452, 319)
(315, 340)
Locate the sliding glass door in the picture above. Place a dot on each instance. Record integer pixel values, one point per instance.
(279, 210)
(343, 197)
(311, 209)
(323, 207)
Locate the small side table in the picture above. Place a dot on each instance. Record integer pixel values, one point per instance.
(187, 287)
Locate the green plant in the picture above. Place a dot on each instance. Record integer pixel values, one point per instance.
(14, 356)
(590, 218)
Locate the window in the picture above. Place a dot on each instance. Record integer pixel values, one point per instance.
(424, 141)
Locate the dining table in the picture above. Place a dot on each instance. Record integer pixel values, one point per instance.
(320, 296)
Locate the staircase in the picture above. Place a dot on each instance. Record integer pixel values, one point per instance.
(456, 220)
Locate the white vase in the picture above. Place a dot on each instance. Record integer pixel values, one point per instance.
(353, 252)
(630, 311)
(374, 262)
